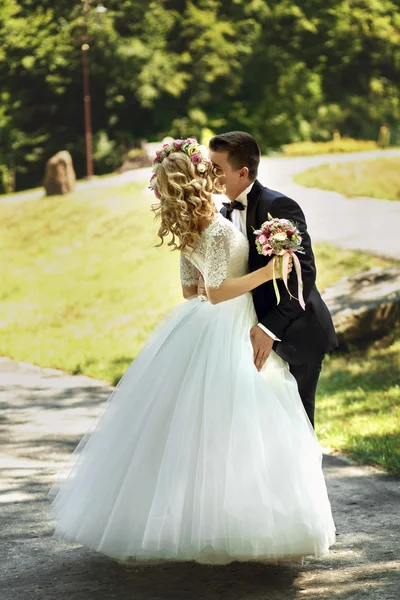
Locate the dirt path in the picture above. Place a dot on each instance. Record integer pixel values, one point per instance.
(44, 414)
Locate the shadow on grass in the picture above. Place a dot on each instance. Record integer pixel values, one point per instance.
(119, 367)
(116, 368)
(377, 374)
(376, 449)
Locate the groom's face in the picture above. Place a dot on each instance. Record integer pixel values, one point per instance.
(235, 181)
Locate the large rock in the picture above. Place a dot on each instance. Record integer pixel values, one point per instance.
(60, 175)
(365, 306)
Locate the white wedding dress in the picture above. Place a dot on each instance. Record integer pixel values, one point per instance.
(197, 455)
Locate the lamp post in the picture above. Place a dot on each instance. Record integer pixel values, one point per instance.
(100, 9)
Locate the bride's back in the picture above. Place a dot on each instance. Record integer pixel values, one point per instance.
(221, 252)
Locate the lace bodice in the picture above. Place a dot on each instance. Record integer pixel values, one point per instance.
(221, 252)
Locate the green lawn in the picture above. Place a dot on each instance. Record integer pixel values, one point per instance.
(378, 178)
(358, 405)
(83, 285)
(330, 147)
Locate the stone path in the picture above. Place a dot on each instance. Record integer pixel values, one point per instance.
(44, 414)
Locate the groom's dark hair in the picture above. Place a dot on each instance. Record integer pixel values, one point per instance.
(242, 149)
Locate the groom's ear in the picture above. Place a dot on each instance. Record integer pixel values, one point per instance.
(244, 172)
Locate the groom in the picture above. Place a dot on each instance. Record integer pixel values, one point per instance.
(300, 337)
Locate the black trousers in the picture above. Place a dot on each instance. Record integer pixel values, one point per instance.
(307, 376)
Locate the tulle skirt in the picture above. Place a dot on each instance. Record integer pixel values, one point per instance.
(197, 455)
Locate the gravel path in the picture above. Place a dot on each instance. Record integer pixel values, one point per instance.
(44, 414)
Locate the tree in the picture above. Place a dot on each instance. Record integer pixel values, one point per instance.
(284, 70)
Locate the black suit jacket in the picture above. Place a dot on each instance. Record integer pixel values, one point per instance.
(306, 334)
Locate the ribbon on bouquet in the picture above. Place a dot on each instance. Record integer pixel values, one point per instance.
(284, 258)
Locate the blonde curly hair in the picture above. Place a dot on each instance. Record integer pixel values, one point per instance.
(186, 201)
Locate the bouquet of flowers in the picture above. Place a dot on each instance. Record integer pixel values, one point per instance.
(281, 237)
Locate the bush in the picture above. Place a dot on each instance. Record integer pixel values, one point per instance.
(107, 153)
(332, 147)
(136, 153)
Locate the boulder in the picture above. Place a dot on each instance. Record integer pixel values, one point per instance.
(60, 175)
(365, 306)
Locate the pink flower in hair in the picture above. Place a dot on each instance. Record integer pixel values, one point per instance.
(196, 158)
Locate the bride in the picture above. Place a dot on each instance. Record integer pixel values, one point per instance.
(197, 455)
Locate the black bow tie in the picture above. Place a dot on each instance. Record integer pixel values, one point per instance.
(230, 206)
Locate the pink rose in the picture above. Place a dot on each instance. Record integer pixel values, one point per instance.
(262, 239)
(196, 158)
(178, 144)
(267, 250)
(191, 141)
(291, 231)
(165, 145)
(158, 153)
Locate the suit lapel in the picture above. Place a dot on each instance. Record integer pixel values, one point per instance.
(253, 199)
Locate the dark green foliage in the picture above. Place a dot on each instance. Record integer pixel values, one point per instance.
(286, 70)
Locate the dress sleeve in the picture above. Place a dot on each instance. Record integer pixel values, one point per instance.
(189, 273)
(217, 258)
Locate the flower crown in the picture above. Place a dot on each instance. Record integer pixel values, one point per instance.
(198, 155)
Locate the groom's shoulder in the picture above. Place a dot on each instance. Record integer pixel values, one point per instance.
(270, 195)
(274, 200)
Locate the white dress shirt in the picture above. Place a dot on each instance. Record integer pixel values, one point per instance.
(238, 218)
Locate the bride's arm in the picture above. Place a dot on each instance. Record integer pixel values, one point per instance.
(189, 278)
(232, 288)
(219, 286)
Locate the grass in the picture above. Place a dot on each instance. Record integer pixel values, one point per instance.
(358, 404)
(379, 178)
(83, 285)
(331, 147)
